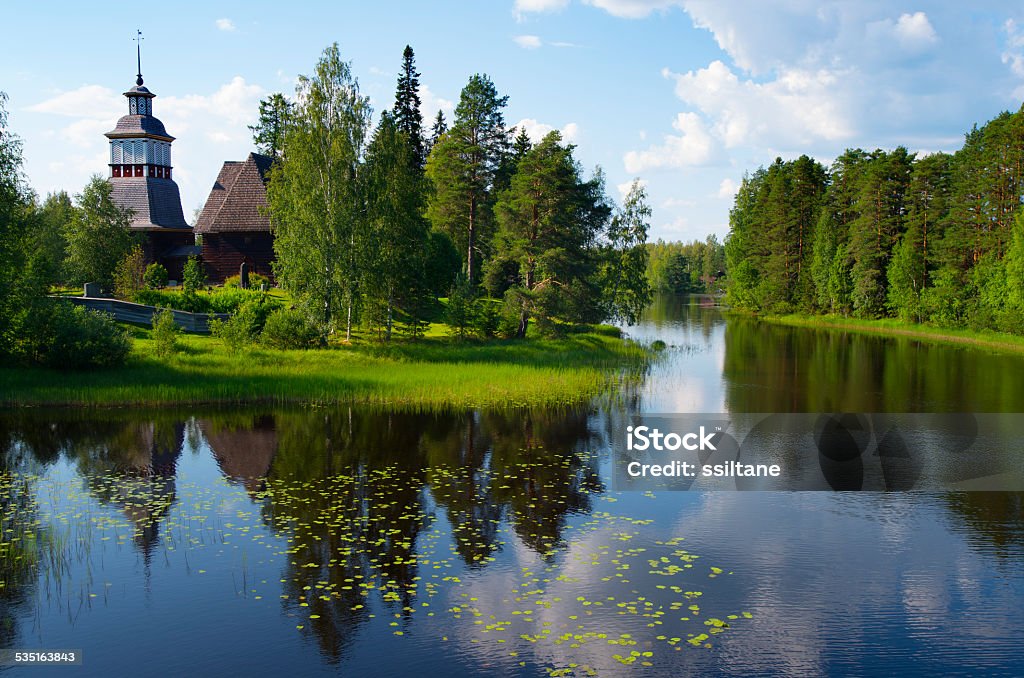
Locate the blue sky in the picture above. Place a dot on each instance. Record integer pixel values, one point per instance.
(686, 95)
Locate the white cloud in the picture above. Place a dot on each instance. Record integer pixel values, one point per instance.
(226, 25)
(527, 41)
(694, 146)
(88, 101)
(912, 33)
(624, 187)
(538, 130)
(430, 104)
(728, 188)
(1013, 54)
(633, 9)
(523, 7)
(915, 31)
(94, 109)
(795, 109)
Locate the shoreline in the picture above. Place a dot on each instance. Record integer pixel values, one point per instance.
(431, 374)
(1000, 342)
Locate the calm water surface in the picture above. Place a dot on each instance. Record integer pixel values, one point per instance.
(351, 540)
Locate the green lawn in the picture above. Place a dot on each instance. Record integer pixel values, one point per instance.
(433, 373)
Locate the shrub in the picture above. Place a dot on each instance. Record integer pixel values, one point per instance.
(180, 301)
(245, 325)
(229, 300)
(487, 318)
(155, 276)
(69, 337)
(290, 329)
(255, 280)
(165, 332)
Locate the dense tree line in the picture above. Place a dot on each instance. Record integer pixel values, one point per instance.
(938, 238)
(680, 268)
(374, 224)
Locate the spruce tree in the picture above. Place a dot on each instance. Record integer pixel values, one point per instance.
(407, 108)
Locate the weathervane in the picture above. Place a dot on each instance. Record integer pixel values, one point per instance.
(138, 54)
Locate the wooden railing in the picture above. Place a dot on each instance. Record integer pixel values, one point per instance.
(140, 314)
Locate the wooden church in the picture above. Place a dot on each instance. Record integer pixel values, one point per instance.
(234, 224)
(140, 179)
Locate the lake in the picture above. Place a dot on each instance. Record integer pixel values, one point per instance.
(375, 542)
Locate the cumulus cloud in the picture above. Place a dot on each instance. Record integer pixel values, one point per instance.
(226, 25)
(692, 147)
(538, 130)
(527, 41)
(795, 109)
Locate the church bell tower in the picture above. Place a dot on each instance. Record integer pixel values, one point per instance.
(141, 176)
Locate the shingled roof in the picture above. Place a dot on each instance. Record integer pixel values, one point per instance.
(132, 126)
(238, 198)
(156, 203)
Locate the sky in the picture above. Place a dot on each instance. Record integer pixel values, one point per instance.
(685, 95)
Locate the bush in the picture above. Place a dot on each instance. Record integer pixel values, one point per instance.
(245, 325)
(155, 276)
(69, 337)
(255, 280)
(229, 300)
(290, 329)
(165, 332)
(180, 301)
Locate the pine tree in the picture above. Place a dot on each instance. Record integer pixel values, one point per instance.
(407, 109)
(462, 168)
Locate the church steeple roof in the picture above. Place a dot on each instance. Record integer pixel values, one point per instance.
(140, 162)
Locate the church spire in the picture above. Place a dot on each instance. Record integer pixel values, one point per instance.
(138, 56)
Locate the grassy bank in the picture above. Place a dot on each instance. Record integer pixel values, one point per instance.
(430, 374)
(984, 339)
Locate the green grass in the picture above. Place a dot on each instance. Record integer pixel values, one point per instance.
(985, 339)
(430, 374)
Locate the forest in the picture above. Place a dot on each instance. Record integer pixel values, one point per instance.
(936, 238)
(697, 266)
(373, 224)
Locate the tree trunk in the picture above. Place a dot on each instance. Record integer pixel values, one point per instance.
(471, 239)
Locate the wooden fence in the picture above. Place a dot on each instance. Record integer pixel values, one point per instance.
(140, 314)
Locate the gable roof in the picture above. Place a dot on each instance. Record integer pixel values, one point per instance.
(238, 197)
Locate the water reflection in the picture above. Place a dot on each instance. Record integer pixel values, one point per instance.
(357, 531)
